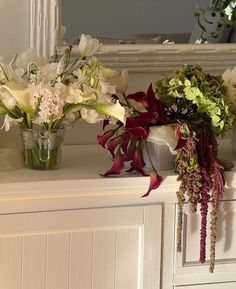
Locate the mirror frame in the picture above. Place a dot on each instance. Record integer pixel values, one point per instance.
(45, 24)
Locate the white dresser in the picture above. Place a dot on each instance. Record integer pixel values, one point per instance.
(73, 229)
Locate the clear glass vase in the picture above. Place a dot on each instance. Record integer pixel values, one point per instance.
(42, 148)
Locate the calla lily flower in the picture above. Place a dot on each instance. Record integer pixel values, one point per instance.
(112, 109)
(113, 143)
(102, 139)
(22, 97)
(118, 165)
(2, 111)
(139, 97)
(138, 163)
(7, 99)
(155, 181)
(88, 45)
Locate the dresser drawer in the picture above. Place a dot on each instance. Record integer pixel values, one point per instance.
(187, 266)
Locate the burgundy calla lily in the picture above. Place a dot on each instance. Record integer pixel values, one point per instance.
(113, 143)
(155, 181)
(118, 165)
(151, 98)
(138, 163)
(139, 97)
(102, 139)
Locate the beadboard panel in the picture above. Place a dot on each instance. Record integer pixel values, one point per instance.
(112, 248)
(187, 262)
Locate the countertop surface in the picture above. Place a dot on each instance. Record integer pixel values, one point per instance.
(79, 176)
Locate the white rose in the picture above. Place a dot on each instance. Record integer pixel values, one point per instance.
(88, 45)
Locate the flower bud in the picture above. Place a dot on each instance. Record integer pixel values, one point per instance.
(88, 45)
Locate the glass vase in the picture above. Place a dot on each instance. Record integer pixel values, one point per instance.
(42, 148)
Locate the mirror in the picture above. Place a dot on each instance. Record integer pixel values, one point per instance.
(137, 21)
(140, 59)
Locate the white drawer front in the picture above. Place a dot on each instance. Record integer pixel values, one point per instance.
(188, 267)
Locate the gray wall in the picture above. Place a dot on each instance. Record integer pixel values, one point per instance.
(126, 18)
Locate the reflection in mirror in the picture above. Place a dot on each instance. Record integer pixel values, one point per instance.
(141, 20)
(149, 21)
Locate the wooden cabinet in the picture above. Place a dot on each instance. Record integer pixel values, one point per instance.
(110, 248)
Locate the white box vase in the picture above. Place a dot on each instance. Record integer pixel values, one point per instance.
(161, 143)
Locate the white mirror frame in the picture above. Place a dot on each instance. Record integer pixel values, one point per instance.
(162, 58)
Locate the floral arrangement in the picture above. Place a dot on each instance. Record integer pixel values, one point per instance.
(194, 108)
(211, 20)
(37, 93)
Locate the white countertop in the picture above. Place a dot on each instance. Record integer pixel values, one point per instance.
(77, 181)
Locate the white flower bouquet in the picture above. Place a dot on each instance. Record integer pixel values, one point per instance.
(43, 97)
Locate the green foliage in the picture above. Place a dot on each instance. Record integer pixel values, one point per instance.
(193, 96)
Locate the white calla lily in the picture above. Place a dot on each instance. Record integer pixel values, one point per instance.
(7, 99)
(21, 95)
(111, 109)
(88, 45)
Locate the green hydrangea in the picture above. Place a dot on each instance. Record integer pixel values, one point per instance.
(192, 95)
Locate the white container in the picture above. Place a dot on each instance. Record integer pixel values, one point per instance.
(162, 157)
(161, 143)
